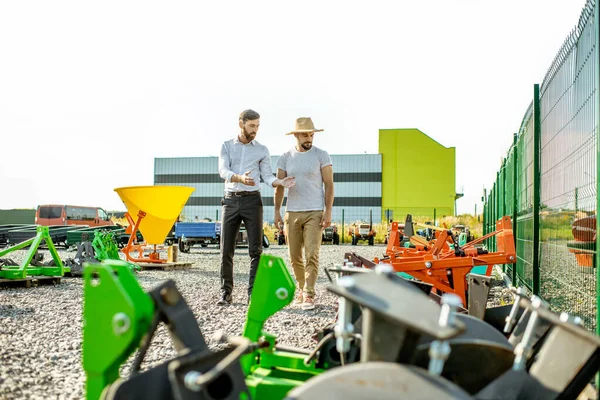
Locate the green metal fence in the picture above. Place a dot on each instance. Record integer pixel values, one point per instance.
(547, 182)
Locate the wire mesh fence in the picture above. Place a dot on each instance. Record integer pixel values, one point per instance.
(548, 181)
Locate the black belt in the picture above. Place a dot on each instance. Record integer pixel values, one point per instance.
(243, 193)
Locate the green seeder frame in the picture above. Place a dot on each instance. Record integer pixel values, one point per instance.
(23, 270)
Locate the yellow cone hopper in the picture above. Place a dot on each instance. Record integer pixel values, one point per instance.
(162, 205)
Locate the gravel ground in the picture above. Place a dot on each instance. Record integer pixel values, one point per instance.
(41, 329)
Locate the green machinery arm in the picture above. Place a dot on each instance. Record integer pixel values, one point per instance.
(117, 313)
(106, 249)
(119, 317)
(21, 271)
(271, 373)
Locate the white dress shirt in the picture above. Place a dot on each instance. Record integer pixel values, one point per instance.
(237, 158)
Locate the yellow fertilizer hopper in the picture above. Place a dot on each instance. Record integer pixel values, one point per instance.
(156, 209)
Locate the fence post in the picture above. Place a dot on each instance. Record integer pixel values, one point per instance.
(503, 192)
(217, 217)
(434, 216)
(486, 207)
(536, 188)
(343, 226)
(494, 211)
(597, 121)
(515, 198)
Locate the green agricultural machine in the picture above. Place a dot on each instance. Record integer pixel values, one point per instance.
(389, 341)
(103, 247)
(32, 265)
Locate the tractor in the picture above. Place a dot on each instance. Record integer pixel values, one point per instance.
(330, 234)
(363, 231)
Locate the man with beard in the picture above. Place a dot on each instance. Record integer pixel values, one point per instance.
(308, 208)
(243, 161)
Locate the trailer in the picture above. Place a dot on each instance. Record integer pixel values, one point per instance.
(188, 234)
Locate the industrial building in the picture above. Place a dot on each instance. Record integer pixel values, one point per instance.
(419, 175)
(411, 174)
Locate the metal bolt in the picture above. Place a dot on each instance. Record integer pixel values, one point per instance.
(384, 269)
(511, 258)
(219, 336)
(343, 328)
(281, 293)
(429, 273)
(564, 317)
(121, 323)
(438, 354)
(169, 295)
(523, 349)
(347, 282)
(428, 264)
(536, 302)
(450, 303)
(190, 380)
(511, 320)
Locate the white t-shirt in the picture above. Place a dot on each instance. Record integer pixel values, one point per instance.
(308, 194)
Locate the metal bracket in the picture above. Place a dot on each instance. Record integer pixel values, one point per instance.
(479, 289)
(395, 314)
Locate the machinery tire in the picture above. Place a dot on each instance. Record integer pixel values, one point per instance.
(281, 240)
(336, 238)
(478, 344)
(184, 247)
(382, 381)
(371, 240)
(266, 242)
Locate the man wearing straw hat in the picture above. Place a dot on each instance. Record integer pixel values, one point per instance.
(243, 161)
(308, 208)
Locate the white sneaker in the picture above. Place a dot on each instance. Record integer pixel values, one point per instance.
(309, 303)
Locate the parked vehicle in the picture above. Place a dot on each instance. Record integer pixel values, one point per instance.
(461, 231)
(330, 234)
(363, 231)
(187, 234)
(279, 236)
(360, 232)
(55, 214)
(400, 230)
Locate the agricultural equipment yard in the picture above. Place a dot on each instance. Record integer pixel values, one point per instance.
(41, 327)
(499, 305)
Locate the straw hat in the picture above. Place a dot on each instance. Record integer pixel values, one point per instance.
(303, 125)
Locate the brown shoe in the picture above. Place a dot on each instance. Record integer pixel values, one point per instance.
(309, 303)
(299, 298)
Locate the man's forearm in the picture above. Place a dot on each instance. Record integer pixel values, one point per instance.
(328, 197)
(279, 192)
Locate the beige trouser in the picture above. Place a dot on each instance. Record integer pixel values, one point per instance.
(303, 231)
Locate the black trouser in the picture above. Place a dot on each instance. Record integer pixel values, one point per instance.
(236, 209)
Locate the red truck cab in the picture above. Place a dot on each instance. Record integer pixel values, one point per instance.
(58, 214)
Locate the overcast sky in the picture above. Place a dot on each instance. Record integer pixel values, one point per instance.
(91, 93)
